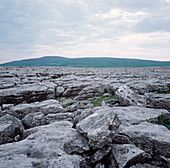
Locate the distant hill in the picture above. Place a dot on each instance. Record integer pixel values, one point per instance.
(102, 62)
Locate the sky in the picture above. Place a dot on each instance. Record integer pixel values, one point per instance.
(85, 28)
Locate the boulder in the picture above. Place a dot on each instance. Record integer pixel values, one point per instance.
(128, 154)
(99, 128)
(34, 119)
(21, 110)
(59, 117)
(44, 148)
(7, 106)
(11, 129)
(99, 165)
(100, 154)
(79, 105)
(127, 97)
(76, 145)
(80, 115)
(27, 93)
(159, 101)
(151, 138)
(59, 91)
(52, 109)
(105, 124)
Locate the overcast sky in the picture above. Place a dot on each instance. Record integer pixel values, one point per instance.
(79, 28)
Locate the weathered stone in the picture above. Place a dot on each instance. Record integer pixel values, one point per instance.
(127, 97)
(10, 127)
(159, 101)
(76, 145)
(7, 106)
(144, 166)
(59, 117)
(152, 138)
(79, 105)
(52, 109)
(28, 93)
(128, 154)
(99, 166)
(20, 111)
(59, 145)
(99, 128)
(59, 91)
(34, 119)
(80, 115)
(42, 148)
(100, 154)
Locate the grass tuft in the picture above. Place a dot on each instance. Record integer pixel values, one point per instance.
(138, 76)
(163, 119)
(164, 92)
(98, 101)
(65, 105)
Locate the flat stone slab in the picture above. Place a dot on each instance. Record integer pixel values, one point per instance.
(45, 148)
(152, 138)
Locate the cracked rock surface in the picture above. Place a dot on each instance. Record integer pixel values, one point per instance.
(84, 117)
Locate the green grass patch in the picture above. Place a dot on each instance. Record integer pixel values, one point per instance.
(163, 120)
(164, 92)
(138, 76)
(58, 99)
(98, 101)
(65, 105)
(168, 77)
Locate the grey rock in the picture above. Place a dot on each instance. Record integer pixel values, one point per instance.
(127, 96)
(144, 166)
(99, 166)
(76, 145)
(152, 138)
(80, 115)
(27, 93)
(59, 91)
(74, 89)
(34, 119)
(133, 115)
(157, 86)
(159, 101)
(128, 154)
(100, 154)
(52, 109)
(96, 128)
(42, 148)
(107, 95)
(21, 110)
(79, 105)
(88, 92)
(7, 106)
(10, 127)
(59, 117)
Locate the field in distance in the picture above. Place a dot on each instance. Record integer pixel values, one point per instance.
(96, 62)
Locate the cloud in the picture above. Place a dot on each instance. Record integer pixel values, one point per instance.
(76, 28)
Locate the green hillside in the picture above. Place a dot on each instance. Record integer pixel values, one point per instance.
(86, 62)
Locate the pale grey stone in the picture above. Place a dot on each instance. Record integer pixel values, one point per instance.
(52, 109)
(34, 119)
(21, 110)
(10, 127)
(128, 154)
(43, 148)
(152, 138)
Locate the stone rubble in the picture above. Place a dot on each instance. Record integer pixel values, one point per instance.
(84, 117)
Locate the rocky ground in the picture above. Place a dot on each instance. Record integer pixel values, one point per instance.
(84, 117)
